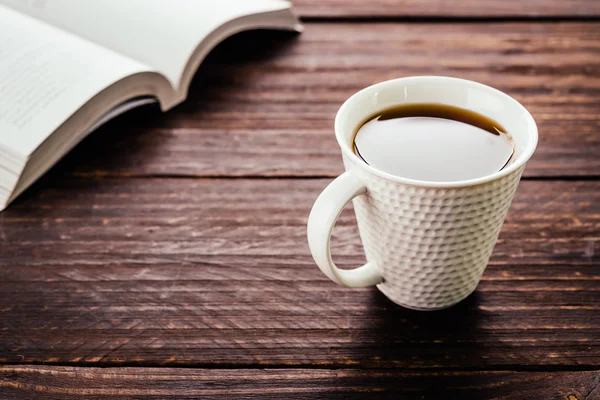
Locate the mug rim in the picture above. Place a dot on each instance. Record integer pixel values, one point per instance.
(347, 151)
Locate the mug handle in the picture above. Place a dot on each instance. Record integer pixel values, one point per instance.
(322, 218)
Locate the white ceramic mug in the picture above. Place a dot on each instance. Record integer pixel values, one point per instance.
(426, 243)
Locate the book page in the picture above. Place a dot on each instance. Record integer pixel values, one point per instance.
(46, 75)
(160, 33)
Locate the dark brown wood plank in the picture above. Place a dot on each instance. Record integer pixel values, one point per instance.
(45, 382)
(263, 104)
(202, 272)
(442, 8)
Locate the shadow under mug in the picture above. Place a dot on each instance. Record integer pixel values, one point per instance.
(426, 243)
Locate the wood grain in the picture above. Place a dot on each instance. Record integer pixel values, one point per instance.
(44, 382)
(444, 8)
(264, 103)
(205, 272)
(129, 255)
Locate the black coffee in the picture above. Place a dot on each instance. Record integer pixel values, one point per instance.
(433, 142)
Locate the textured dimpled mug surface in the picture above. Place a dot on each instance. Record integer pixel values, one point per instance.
(426, 243)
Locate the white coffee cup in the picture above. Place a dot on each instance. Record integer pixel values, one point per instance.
(426, 243)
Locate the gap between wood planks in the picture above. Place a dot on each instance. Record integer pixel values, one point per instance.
(134, 175)
(453, 19)
(333, 367)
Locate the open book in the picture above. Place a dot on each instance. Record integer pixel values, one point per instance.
(67, 66)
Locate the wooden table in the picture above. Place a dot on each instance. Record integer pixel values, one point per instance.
(166, 256)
